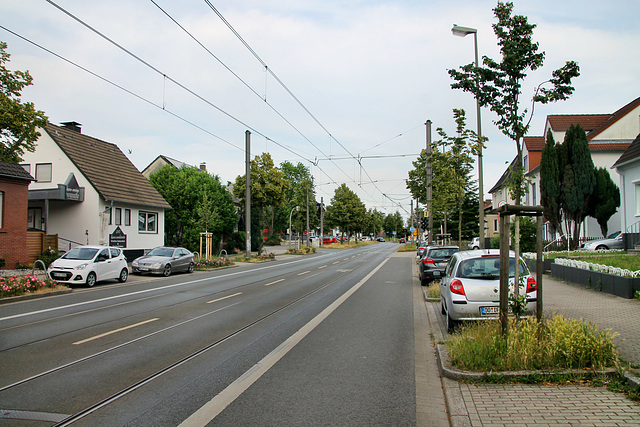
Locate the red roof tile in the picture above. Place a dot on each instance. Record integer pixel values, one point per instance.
(589, 122)
(613, 146)
(534, 143)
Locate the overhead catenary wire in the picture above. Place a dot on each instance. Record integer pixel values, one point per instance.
(206, 101)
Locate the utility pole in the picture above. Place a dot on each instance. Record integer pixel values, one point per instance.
(412, 219)
(308, 231)
(247, 192)
(429, 207)
(321, 221)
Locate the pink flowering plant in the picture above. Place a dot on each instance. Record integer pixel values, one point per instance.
(12, 286)
(213, 263)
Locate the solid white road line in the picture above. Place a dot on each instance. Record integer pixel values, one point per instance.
(215, 406)
(115, 331)
(220, 299)
(273, 283)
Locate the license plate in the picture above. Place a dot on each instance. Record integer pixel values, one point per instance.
(143, 269)
(437, 273)
(488, 311)
(59, 275)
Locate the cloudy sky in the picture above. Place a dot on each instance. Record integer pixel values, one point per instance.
(324, 83)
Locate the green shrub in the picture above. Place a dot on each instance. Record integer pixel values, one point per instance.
(559, 343)
(2, 262)
(273, 240)
(48, 256)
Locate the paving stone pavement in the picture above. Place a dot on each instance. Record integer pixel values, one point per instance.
(550, 404)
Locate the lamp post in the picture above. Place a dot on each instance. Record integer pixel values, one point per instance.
(462, 32)
(297, 208)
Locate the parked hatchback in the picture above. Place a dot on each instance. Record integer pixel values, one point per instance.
(470, 288)
(89, 265)
(164, 260)
(433, 261)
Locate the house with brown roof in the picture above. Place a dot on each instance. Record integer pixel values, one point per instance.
(608, 135)
(88, 192)
(14, 194)
(628, 166)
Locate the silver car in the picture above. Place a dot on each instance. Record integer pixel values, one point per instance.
(612, 241)
(164, 260)
(470, 288)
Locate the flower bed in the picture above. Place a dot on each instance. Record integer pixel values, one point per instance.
(302, 251)
(13, 286)
(213, 263)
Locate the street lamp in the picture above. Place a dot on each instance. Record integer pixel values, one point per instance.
(297, 208)
(462, 32)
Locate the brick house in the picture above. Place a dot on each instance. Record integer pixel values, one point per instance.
(14, 199)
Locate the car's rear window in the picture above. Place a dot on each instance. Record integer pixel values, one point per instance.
(442, 252)
(487, 268)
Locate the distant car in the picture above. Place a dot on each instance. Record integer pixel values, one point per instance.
(89, 264)
(470, 288)
(612, 241)
(433, 261)
(474, 243)
(380, 239)
(402, 240)
(421, 247)
(329, 240)
(164, 260)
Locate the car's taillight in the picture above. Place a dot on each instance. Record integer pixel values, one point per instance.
(532, 285)
(456, 287)
(427, 261)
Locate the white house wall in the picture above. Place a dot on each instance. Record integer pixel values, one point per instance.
(81, 222)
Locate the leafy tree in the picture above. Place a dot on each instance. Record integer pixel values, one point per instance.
(18, 120)
(550, 183)
(200, 203)
(268, 187)
(300, 179)
(393, 222)
(346, 211)
(452, 163)
(605, 199)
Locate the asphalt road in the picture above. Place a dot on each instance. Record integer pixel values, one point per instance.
(321, 340)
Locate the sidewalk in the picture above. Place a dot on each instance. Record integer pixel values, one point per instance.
(552, 404)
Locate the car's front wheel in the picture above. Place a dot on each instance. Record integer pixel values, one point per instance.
(91, 279)
(124, 275)
(167, 270)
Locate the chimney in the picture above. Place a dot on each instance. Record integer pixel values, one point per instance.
(203, 166)
(74, 126)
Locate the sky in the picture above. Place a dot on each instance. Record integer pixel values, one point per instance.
(343, 87)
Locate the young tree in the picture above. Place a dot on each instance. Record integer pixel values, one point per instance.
(605, 199)
(300, 181)
(18, 120)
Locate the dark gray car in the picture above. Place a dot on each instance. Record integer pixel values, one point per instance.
(164, 260)
(433, 262)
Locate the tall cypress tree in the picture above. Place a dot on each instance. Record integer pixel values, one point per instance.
(579, 179)
(550, 189)
(605, 199)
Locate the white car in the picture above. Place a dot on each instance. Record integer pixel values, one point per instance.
(89, 264)
(470, 288)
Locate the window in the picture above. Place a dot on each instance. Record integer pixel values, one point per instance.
(107, 212)
(127, 217)
(147, 222)
(1, 206)
(637, 199)
(115, 253)
(525, 161)
(533, 192)
(43, 172)
(118, 216)
(495, 224)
